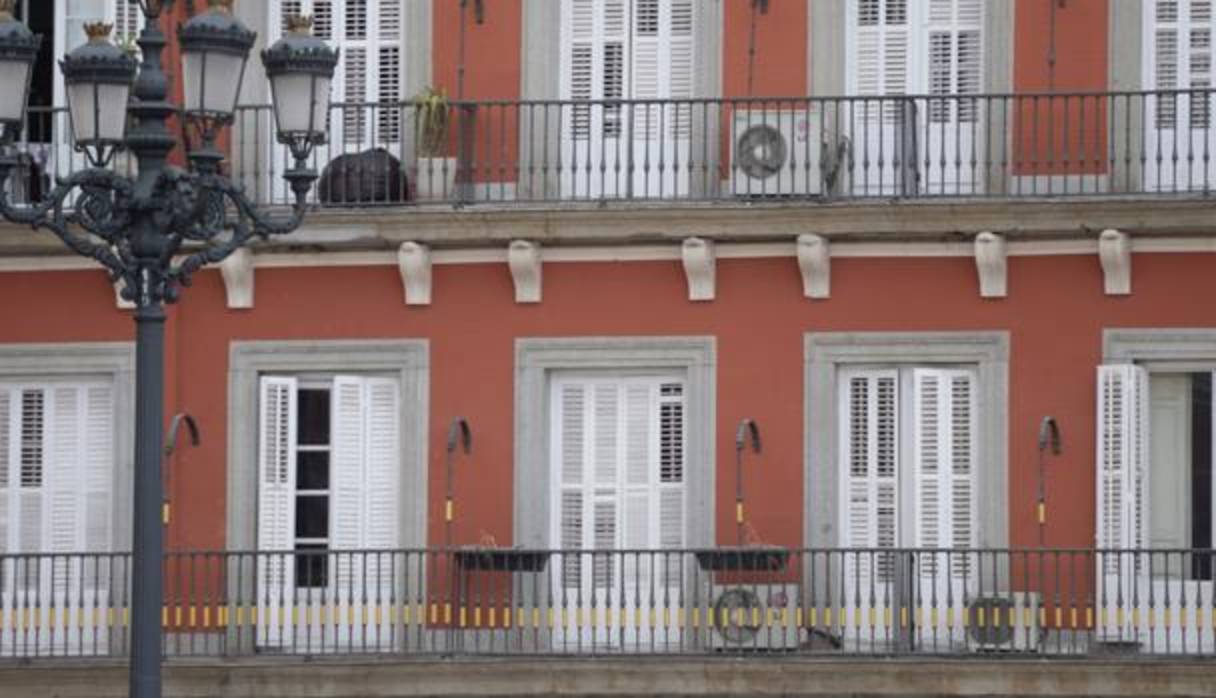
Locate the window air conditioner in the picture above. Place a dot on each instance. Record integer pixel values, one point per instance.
(1004, 623)
(776, 152)
(754, 617)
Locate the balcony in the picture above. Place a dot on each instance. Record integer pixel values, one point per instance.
(491, 602)
(809, 150)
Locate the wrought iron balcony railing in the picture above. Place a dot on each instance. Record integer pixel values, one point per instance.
(727, 601)
(812, 149)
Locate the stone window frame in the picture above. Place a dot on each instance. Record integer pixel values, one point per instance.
(537, 359)
(114, 360)
(825, 353)
(409, 359)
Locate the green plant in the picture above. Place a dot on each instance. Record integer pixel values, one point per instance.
(433, 112)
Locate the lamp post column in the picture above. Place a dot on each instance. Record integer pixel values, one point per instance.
(150, 141)
(148, 542)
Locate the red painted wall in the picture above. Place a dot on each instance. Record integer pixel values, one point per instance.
(1056, 313)
(1062, 134)
(781, 49)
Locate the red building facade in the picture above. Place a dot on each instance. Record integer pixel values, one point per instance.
(1059, 238)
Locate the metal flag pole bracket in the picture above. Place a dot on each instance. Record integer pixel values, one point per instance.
(459, 436)
(1049, 438)
(747, 433)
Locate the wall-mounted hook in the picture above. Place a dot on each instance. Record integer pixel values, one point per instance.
(460, 435)
(747, 428)
(747, 432)
(170, 446)
(175, 426)
(1049, 435)
(1049, 438)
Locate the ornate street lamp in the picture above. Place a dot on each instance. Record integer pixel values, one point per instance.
(153, 231)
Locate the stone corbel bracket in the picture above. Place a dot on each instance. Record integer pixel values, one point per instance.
(815, 263)
(414, 263)
(237, 271)
(700, 266)
(523, 257)
(990, 262)
(1115, 253)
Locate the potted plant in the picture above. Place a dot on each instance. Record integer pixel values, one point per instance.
(436, 177)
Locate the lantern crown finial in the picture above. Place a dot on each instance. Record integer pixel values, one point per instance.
(224, 6)
(300, 24)
(97, 31)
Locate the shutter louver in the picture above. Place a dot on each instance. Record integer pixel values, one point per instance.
(619, 461)
(383, 466)
(944, 448)
(276, 507)
(1121, 496)
(347, 521)
(6, 468)
(870, 452)
(606, 397)
(30, 500)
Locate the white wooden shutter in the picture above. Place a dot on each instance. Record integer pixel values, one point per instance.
(383, 464)
(348, 485)
(1179, 56)
(869, 468)
(606, 493)
(594, 64)
(954, 57)
(32, 484)
(570, 447)
(10, 430)
(882, 54)
(943, 449)
(1122, 494)
(277, 439)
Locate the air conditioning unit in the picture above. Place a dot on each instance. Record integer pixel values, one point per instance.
(754, 617)
(776, 152)
(1004, 623)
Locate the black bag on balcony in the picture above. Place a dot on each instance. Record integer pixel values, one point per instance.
(373, 176)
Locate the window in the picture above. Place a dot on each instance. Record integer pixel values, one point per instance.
(56, 475)
(56, 467)
(627, 49)
(368, 81)
(618, 461)
(330, 471)
(931, 47)
(1154, 500)
(908, 474)
(908, 461)
(1177, 42)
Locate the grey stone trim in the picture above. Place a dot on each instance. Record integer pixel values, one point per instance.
(1125, 45)
(408, 358)
(115, 360)
(998, 46)
(827, 55)
(827, 352)
(1161, 348)
(537, 358)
